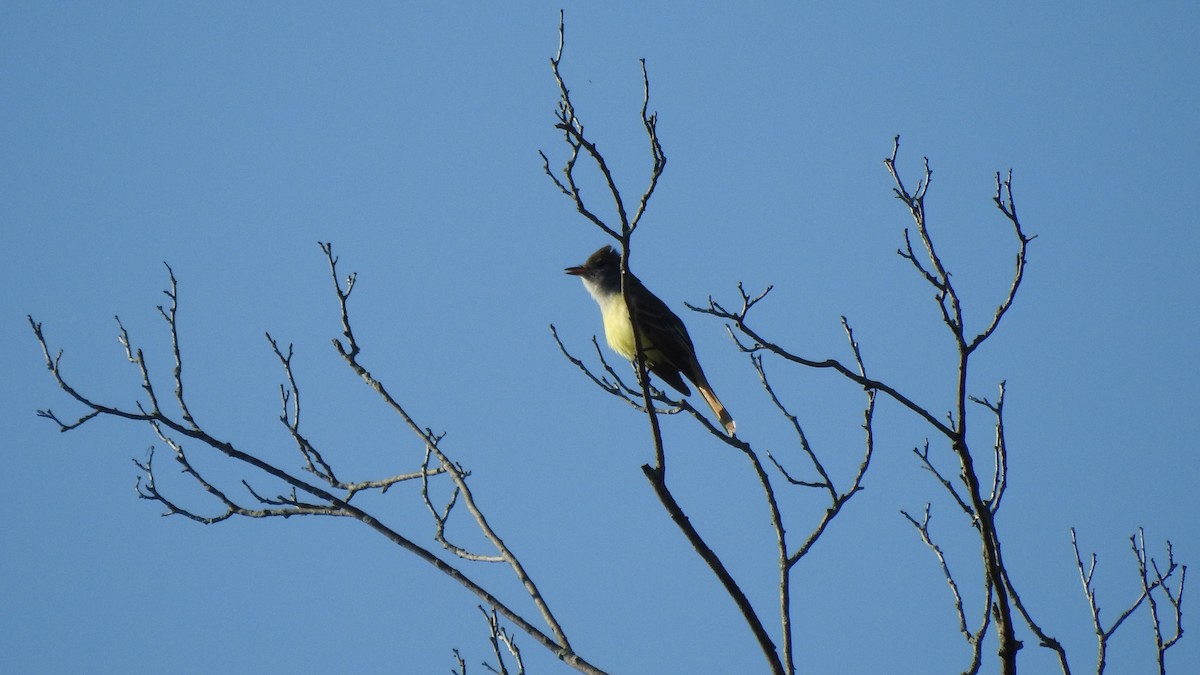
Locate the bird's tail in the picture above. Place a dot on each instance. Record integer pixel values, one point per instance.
(715, 403)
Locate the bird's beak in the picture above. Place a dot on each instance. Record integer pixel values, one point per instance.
(576, 271)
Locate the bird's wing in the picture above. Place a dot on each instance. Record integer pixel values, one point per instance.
(668, 346)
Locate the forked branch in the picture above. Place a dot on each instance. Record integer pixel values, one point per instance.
(330, 496)
(581, 146)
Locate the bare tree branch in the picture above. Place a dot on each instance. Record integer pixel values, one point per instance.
(579, 144)
(981, 509)
(1152, 580)
(1000, 449)
(714, 562)
(1007, 206)
(317, 500)
(350, 351)
(502, 642)
(973, 638)
(761, 343)
(1044, 640)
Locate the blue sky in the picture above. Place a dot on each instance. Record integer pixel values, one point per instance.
(227, 139)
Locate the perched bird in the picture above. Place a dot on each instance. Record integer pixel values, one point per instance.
(666, 347)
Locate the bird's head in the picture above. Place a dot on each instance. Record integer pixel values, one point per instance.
(602, 268)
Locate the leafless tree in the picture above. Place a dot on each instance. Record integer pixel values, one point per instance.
(314, 488)
(321, 492)
(978, 493)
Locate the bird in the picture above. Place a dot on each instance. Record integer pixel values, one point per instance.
(666, 346)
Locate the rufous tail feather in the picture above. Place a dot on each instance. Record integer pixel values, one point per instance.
(722, 414)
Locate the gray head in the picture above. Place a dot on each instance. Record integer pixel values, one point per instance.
(601, 271)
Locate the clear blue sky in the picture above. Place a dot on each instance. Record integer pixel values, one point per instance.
(227, 139)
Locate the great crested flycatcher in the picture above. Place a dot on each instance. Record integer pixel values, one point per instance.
(666, 347)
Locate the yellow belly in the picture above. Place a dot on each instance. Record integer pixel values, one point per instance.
(618, 330)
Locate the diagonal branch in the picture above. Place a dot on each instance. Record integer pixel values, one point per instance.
(740, 321)
(714, 562)
(1007, 205)
(172, 319)
(350, 352)
(322, 502)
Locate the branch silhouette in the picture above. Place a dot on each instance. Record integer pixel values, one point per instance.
(329, 495)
